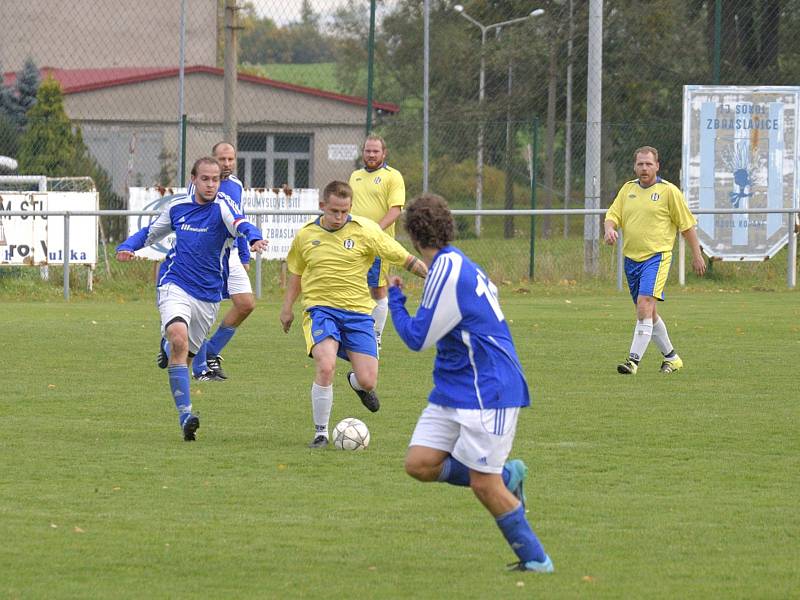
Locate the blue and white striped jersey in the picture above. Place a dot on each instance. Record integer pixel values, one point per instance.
(195, 263)
(476, 364)
(232, 187)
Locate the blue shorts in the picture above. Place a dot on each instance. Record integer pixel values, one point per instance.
(377, 275)
(354, 331)
(648, 277)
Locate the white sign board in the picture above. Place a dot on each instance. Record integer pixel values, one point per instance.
(278, 230)
(342, 152)
(740, 150)
(37, 240)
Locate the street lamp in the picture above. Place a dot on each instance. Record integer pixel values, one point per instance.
(484, 29)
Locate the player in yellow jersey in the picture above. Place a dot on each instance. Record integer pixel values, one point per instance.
(650, 211)
(328, 262)
(379, 193)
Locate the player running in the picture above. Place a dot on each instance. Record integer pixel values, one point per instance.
(190, 282)
(465, 433)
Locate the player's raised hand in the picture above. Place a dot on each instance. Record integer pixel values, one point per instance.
(125, 255)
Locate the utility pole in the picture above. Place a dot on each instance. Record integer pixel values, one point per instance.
(229, 124)
(594, 128)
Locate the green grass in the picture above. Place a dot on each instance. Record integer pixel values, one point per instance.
(646, 487)
(321, 76)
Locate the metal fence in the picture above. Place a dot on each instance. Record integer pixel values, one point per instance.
(126, 92)
(496, 255)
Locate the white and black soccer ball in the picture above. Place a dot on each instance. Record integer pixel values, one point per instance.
(350, 434)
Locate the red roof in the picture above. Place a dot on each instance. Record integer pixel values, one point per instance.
(74, 81)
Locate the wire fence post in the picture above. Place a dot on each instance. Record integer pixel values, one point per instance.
(66, 257)
(534, 152)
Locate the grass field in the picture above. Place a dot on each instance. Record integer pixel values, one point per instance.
(683, 486)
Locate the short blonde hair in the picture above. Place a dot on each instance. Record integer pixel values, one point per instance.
(645, 150)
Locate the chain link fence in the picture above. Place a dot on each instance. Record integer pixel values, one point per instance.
(99, 90)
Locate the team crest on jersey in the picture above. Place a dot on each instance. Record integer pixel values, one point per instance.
(377, 180)
(655, 196)
(349, 244)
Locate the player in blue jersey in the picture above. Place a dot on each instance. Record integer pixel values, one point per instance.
(206, 365)
(190, 281)
(465, 433)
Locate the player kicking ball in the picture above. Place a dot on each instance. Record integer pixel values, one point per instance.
(465, 434)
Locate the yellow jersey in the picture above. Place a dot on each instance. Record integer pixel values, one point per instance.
(649, 217)
(375, 192)
(333, 265)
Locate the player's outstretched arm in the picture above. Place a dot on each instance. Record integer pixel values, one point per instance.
(292, 292)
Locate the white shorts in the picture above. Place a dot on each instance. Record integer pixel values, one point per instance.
(480, 439)
(174, 302)
(238, 280)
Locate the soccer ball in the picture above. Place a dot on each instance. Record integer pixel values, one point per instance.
(351, 434)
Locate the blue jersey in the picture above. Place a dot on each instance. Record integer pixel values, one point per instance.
(202, 231)
(476, 364)
(232, 187)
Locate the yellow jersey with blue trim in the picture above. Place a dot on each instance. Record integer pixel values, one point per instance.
(375, 192)
(649, 217)
(333, 265)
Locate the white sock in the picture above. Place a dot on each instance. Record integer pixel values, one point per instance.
(321, 404)
(641, 338)
(379, 313)
(354, 382)
(661, 337)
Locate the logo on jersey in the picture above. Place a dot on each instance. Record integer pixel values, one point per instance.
(187, 227)
(349, 244)
(182, 219)
(655, 196)
(377, 180)
(315, 242)
(631, 195)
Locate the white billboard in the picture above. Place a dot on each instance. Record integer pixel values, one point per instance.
(740, 150)
(37, 240)
(278, 230)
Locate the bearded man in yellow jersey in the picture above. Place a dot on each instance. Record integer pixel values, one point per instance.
(328, 262)
(379, 193)
(650, 211)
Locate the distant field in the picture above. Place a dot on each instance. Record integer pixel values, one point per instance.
(317, 75)
(671, 487)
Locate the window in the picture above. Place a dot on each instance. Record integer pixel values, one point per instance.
(274, 159)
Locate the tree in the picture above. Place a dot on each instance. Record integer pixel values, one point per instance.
(48, 145)
(16, 103)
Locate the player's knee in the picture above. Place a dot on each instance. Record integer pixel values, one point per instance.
(325, 371)
(367, 380)
(245, 304)
(482, 487)
(416, 469)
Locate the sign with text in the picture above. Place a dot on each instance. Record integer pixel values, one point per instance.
(39, 240)
(740, 150)
(279, 230)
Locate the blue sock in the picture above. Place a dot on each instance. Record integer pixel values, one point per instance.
(520, 536)
(199, 364)
(454, 472)
(220, 338)
(179, 384)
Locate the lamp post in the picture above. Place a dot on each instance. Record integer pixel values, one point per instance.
(481, 89)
